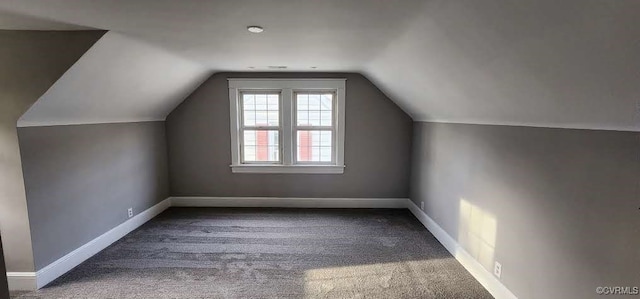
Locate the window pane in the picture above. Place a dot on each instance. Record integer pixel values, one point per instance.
(327, 102)
(303, 102)
(314, 102)
(261, 118)
(249, 102)
(261, 102)
(326, 118)
(314, 146)
(314, 110)
(303, 118)
(314, 118)
(250, 118)
(273, 101)
(261, 146)
(261, 110)
(273, 118)
(325, 139)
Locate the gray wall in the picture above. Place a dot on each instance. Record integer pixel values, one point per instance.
(562, 204)
(80, 180)
(31, 62)
(377, 147)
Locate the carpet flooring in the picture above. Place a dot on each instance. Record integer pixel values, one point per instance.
(271, 253)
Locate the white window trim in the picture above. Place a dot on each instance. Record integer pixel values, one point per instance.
(287, 88)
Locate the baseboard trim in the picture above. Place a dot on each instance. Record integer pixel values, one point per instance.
(26, 281)
(84, 252)
(488, 281)
(21, 281)
(290, 202)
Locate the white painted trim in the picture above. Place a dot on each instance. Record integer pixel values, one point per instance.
(490, 282)
(25, 281)
(283, 83)
(76, 257)
(340, 125)
(287, 118)
(319, 169)
(289, 202)
(532, 125)
(234, 126)
(21, 281)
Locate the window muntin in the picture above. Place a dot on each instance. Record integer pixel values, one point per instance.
(314, 128)
(260, 126)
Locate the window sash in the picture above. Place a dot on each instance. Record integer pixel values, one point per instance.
(242, 148)
(296, 161)
(332, 128)
(242, 127)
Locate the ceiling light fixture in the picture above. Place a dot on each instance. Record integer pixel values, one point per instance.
(255, 29)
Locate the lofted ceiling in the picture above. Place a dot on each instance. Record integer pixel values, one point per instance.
(119, 79)
(570, 63)
(16, 21)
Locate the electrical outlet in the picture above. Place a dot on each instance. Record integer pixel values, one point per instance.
(422, 205)
(497, 270)
(130, 212)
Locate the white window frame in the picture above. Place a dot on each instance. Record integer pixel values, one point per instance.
(288, 88)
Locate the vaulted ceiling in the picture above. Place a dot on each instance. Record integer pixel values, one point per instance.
(570, 63)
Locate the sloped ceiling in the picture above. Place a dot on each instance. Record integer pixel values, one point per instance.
(573, 64)
(570, 63)
(13, 21)
(118, 80)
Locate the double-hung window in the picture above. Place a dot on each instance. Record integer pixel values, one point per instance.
(287, 125)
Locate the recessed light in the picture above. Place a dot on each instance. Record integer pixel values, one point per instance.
(314, 67)
(252, 67)
(255, 29)
(277, 67)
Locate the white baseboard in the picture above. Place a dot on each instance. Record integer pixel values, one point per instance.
(490, 282)
(25, 281)
(76, 257)
(289, 202)
(31, 281)
(21, 281)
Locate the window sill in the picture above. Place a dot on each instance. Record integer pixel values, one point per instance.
(318, 169)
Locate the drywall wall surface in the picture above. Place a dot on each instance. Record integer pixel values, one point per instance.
(80, 180)
(377, 146)
(558, 208)
(31, 62)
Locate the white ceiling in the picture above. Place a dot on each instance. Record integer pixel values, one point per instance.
(333, 34)
(570, 63)
(16, 21)
(118, 80)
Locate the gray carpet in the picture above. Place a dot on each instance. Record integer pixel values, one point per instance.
(271, 253)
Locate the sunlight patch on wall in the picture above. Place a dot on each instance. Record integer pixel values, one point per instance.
(477, 233)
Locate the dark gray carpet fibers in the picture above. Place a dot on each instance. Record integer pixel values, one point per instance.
(271, 253)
